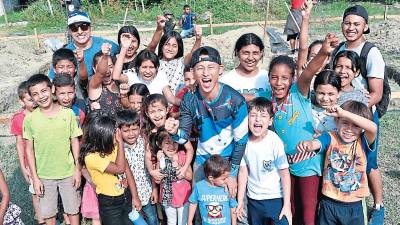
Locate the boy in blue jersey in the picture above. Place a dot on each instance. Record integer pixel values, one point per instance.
(219, 113)
(215, 204)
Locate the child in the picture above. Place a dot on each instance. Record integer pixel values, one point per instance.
(17, 121)
(264, 170)
(169, 23)
(247, 78)
(292, 27)
(190, 85)
(174, 191)
(136, 95)
(64, 90)
(52, 156)
(215, 204)
(344, 175)
(65, 62)
(134, 147)
(186, 22)
(172, 60)
(293, 123)
(103, 155)
(9, 213)
(103, 91)
(147, 65)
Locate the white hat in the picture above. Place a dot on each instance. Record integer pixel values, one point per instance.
(78, 17)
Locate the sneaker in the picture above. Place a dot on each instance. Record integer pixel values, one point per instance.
(377, 216)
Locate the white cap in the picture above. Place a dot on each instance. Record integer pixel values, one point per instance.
(78, 17)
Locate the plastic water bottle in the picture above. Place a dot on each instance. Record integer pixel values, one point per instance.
(136, 218)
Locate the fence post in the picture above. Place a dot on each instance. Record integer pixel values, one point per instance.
(51, 8)
(125, 16)
(3, 10)
(36, 38)
(101, 7)
(386, 12)
(211, 24)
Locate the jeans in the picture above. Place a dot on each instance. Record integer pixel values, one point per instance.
(115, 209)
(187, 33)
(150, 212)
(177, 215)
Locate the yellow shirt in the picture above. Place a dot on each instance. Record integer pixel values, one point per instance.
(106, 183)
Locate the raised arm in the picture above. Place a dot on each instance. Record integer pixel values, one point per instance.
(181, 129)
(317, 63)
(120, 163)
(157, 34)
(171, 98)
(101, 68)
(198, 32)
(126, 41)
(303, 41)
(82, 70)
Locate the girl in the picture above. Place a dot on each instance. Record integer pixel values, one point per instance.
(103, 155)
(293, 123)
(136, 95)
(129, 42)
(155, 108)
(9, 213)
(247, 78)
(103, 91)
(147, 65)
(170, 52)
(347, 65)
(174, 191)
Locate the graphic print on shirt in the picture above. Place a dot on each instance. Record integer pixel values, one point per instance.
(214, 210)
(267, 165)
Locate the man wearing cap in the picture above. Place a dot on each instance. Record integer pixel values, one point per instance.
(169, 24)
(79, 25)
(219, 113)
(354, 26)
(186, 22)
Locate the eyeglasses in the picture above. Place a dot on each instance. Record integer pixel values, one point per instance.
(83, 26)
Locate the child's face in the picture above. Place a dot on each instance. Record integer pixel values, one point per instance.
(169, 147)
(314, 51)
(136, 102)
(157, 113)
(206, 74)
(186, 10)
(189, 79)
(170, 49)
(347, 130)
(107, 78)
(134, 45)
(259, 121)
(249, 56)
(147, 70)
(326, 95)
(41, 95)
(65, 66)
(345, 71)
(130, 133)
(65, 95)
(220, 181)
(353, 27)
(281, 79)
(28, 102)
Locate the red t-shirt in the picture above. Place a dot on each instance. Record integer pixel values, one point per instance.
(17, 123)
(179, 95)
(296, 4)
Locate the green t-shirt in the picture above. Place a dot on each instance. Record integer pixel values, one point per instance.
(51, 138)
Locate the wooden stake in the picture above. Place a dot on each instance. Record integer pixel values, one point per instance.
(36, 37)
(136, 5)
(211, 24)
(265, 23)
(101, 7)
(386, 12)
(3, 10)
(50, 7)
(126, 14)
(142, 5)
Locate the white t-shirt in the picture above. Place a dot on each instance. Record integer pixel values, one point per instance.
(247, 85)
(264, 159)
(156, 86)
(375, 66)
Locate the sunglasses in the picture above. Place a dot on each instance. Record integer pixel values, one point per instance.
(83, 26)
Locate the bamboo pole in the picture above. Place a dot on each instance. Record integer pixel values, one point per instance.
(142, 5)
(136, 5)
(101, 7)
(386, 12)
(51, 8)
(36, 38)
(3, 10)
(211, 24)
(265, 23)
(125, 16)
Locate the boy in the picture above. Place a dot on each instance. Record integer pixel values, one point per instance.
(65, 62)
(64, 90)
(186, 22)
(216, 206)
(134, 146)
(219, 113)
(354, 26)
(189, 85)
(264, 170)
(53, 130)
(345, 181)
(17, 121)
(293, 23)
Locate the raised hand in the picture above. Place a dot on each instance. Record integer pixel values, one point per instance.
(198, 32)
(334, 111)
(161, 22)
(79, 54)
(304, 146)
(123, 89)
(329, 44)
(306, 8)
(171, 125)
(106, 48)
(126, 41)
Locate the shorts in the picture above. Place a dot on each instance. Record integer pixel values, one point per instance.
(71, 199)
(334, 212)
(293, 36)
(372, 156)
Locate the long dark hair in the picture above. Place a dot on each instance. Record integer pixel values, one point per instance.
(130, 30)
(98, 136)
(165, 38)
(283, 60)
(149, 100)
(156, 139)
(248, 39)
(352, 56)
(328, 77)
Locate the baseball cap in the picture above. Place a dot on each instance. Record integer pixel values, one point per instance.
(359, 11)
(78, 17)
(168, 12)
(205, 53)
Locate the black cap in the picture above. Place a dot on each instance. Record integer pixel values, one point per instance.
(359, 11)
(205, 53)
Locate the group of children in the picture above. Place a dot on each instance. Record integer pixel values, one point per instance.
(164, 135)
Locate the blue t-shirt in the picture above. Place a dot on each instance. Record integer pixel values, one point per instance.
(89, 53)
(187, 22)
(293, 122)
(214, 203)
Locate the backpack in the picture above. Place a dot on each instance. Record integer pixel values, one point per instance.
(382, 106)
